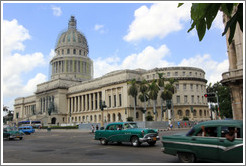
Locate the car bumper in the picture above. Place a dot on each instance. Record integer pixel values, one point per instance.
(149, 139)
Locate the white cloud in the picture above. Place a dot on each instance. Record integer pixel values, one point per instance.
(15, 65)
(218, 22)
(56, 10)
(213, 70)
(31, 85)
(99, 28)
(157, 21)
(51, 54)
(147, 59)
(13, 35)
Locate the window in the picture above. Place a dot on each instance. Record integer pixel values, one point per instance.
(180, 113)
(190, 73)
(147, 76)
(178, 99)
(176, 73)
(198, 99)
(68, 51)
(62, 52)
(137, 115)
(197, 87)
(168, 73)
(192, 99)
(208, 132)
(109, 101)
(79, 52)
(230, 130)
(120, 103)
(183, 73)
(191, 86)
(17, 115)
(114, 100)
(185, 99)
(177, 86)
(74, 51)
(184, 86)
(187, 113)
(200, 113)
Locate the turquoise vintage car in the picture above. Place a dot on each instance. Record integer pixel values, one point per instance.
(127, 132)
(12, 133)
(214, 141)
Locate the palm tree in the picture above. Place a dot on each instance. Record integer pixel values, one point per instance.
(143, 97)
(161, 85)
(153, 94)
(167, 95)
(133, 91)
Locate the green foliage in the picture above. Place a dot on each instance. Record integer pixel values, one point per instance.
(185, 118)
(133, 90)
(153, 90)
(223, 93)
(203, 15)
(129, 119)
(149, 118)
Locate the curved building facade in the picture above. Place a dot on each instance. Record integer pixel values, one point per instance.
(73, 96)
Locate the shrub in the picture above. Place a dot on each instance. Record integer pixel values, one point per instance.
(129, 119)
(149, 118)
(185, 118)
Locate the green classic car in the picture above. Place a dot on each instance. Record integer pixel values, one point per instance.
(11, 133)
(214, 141)
(127, 132)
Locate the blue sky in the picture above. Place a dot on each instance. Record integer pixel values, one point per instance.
(120, 36)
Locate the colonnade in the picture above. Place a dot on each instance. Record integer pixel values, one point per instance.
(28, 110)
(45, 103)
(64, 66)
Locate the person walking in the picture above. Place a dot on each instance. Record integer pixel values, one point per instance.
(178, 124)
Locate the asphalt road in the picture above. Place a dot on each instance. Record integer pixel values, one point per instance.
(75, 146)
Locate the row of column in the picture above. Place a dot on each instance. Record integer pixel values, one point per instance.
(114, 97)
(85, 102)
(28, 110)
(45, 103)
(69, 66)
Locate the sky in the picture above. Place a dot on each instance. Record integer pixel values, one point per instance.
(120, 36)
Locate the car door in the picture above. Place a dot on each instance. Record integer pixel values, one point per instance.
(205, 146)
(109, 132)
(231, 150)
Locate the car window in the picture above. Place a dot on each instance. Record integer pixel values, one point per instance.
(119, 127)
(230, 130)
(191, 132)
(207, 132)
(111, 127)
(133, 125)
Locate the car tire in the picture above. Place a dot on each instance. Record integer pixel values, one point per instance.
(152, 143)
(103, 141)
(186, 157)
(135, 141)
(20, 138)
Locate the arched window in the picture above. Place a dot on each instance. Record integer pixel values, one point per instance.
(187, 113)
(108, 117)
(91, 118)
(200, 113)
(119, 117)
(137, 115)
(79, 118)
(194, 113)
(75, 119)
(113, 117)
(205, 113)
(95, 118)
(180, 113)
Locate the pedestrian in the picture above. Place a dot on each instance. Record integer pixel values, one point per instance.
(92, 128)
(178, 124)
(96, 127)
(185, 124)
(171, 126)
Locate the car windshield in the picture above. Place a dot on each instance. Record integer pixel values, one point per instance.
(133, 125)
(191, 132)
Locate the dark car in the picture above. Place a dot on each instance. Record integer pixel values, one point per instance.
(215, 141)
(12, 133)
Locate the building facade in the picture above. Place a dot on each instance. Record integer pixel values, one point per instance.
(73, 96)
(234, 77)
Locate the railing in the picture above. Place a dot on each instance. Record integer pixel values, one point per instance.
(232, 74)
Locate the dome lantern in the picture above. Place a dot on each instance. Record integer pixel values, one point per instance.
(72, 23)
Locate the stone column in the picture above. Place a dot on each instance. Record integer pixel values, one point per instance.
(82, 106)
(86, 107)
(98, 100)
(79, 103)
(72, 107)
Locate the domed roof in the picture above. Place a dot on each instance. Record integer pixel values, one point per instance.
(72, 37)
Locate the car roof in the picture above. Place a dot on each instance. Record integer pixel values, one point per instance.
(221, 122)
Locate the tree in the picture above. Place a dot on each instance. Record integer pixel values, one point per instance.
(161, 84)
(143, 97)
(133, 91)
(153, 94)
(203, 15)
(9, 116)
(224, 97)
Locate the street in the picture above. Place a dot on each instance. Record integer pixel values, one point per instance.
(74, 146)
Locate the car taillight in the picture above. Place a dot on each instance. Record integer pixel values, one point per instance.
(142, 132)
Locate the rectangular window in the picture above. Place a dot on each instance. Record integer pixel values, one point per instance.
(109, 101)
(197, 87)
(176, 73)
(198, 99)
(191, 86)
(184, 86)
(192, 99)
(168, 73)
(185, 99)
(114, 100)
(183, 73)
(120, 103)
(177, 86)
(178, 99)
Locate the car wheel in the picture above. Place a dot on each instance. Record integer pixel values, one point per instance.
(186, 157)
(152, 143)
(103, 141)
(119, 143)
(20, 138)
(135, 141)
